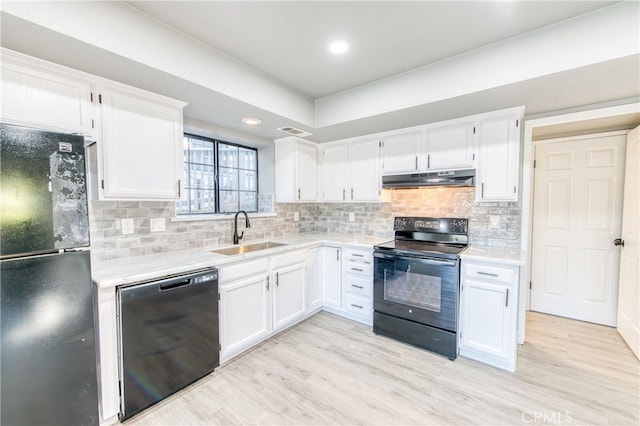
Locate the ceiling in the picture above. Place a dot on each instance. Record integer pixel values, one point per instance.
(285, 44)
(287, 40)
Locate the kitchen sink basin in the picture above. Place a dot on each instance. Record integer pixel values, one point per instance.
(246, 248)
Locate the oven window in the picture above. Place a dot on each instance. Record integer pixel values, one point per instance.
(417, 290)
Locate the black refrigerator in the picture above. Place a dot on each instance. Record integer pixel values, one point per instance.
(48, 366)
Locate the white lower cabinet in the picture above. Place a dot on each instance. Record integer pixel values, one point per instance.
(245, 307)
(108, 353)
(313, 291)
(332, 278)
(259, 298)
(289, 288)
(488, 312)
(357, 285)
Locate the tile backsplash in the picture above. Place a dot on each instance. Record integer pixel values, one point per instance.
(369, 219)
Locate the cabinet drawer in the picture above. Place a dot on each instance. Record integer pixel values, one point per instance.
(239, 270)
(352, 255)
(497, 273)
(358, 305)
(358, 268)
(358, 285)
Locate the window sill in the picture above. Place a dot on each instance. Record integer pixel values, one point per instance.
(229, 216)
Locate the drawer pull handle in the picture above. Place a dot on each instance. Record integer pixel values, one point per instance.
(357, 286)
(356, 306)
(487, 274)
(356, 269)
(357, 255)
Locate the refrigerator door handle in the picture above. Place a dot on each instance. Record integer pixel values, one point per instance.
(75, 249)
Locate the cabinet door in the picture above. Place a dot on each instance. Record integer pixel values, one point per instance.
(45, 98)
(306, 172)
(245, 315)
(498, 159)
(487, 324)
(313, 293)
(450, 147)
(331, 277)
(141, 147)
(334, 172)
(364, 161)
(401, 152)
(288, 296)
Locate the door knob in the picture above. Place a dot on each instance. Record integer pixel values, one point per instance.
(618, 242)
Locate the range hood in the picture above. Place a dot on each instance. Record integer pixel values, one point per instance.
(443, 178)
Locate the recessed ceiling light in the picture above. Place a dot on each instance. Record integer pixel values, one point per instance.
(251, 121)
(338, 47)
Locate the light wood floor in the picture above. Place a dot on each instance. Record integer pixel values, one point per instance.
(328, 370)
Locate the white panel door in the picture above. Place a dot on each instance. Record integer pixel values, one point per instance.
(577, 215)
(629, 298)
(334, 172)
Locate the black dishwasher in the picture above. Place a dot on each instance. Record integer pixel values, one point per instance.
(167, 337)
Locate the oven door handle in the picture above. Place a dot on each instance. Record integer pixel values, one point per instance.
(424, 260)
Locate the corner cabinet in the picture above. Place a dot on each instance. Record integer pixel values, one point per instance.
(139, 144)
(488, 312)
(332, 279)
(43, 95)
(498, 157)
(295, 170)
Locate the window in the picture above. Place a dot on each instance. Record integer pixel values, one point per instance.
(220, 177)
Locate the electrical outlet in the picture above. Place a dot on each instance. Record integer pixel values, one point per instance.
(127, 226)
(296, 216)
(157, 224)
(494, 221)
(352, 217)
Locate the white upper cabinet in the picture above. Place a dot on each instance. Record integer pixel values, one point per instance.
(449, 147)
(335, 171)
(351, 170)
(295, 170)
(498, 157)
(364, 162)
(40, 94)
(401, 152)
(140, 144)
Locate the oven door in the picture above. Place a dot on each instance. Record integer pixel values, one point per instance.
(423, 290)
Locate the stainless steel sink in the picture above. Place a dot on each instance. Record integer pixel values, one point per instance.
(246, 248)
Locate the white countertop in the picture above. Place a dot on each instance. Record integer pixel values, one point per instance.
(494, 254)
(130, 270)
(135, 269)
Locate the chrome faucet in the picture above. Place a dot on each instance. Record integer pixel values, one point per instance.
(247, 224)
